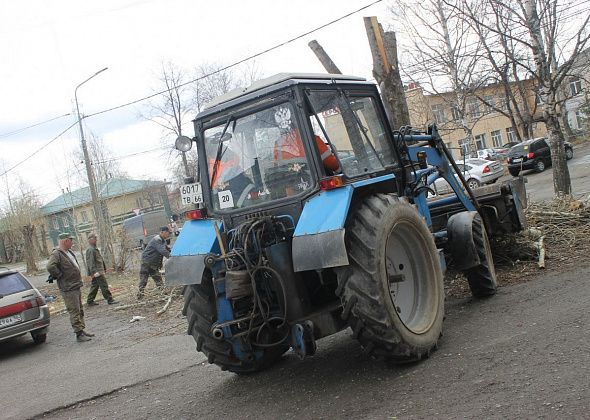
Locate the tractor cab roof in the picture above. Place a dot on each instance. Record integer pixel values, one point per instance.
(270, 84)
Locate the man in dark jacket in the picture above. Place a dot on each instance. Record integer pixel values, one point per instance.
(64, 267)
(151, 259)
(96, 268)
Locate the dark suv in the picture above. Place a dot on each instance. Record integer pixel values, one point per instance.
(533, 154)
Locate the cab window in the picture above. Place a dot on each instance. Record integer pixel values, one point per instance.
(260, 157)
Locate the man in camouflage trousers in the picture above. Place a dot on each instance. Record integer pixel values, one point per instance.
(63, 266)
(151, 260)
(96, 269)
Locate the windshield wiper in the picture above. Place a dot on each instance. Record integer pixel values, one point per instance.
(219, 152)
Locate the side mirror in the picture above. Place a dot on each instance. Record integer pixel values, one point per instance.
(183, 143)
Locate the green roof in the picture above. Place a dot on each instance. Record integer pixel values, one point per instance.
(114, 187)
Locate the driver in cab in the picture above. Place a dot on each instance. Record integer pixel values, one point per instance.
(289, 148)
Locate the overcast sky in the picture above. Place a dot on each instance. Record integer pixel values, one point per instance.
(49, 47)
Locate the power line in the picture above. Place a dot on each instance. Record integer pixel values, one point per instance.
(20, 130)
(39, 149)
(243, 60)
(130, 155)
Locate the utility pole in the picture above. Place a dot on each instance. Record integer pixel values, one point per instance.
(324, 57)
(386, 71)
(98, 213)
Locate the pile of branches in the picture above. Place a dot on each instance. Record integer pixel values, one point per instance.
(559, 228)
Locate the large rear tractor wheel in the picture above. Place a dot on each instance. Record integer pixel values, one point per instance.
(201, 314)
(392, 291)
(482, 278)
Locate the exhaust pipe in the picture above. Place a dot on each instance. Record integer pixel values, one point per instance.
(217, 333)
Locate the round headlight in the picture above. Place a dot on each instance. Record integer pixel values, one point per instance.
(183, 143)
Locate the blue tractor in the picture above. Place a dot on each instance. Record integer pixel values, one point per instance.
(311, 215)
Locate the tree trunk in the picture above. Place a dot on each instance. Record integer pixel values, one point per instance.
(569, 134)
(386, 72)
(28, 232)
(547, 92)
(324, 58)
(44, 249)
(561, 175)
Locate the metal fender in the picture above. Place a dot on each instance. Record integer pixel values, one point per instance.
(460, 236)
(318, 241)
(187, 259)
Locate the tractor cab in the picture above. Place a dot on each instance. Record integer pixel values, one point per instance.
(288, 137)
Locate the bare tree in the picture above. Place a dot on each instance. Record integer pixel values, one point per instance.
(442, 60)
(173, 109)
(20, 227)
(552, 46)
(506, 60)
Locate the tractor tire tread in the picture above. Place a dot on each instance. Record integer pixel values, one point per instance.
(482, 278)
(363, 302)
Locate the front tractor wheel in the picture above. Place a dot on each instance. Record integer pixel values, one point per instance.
(392, 291)
(201, 314)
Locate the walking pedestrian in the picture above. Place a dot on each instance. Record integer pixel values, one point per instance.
(63, 266)
(151, 260)
(96, 268)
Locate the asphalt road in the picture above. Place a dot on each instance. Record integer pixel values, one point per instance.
(521, 354)
(39, 378)
(540, 185)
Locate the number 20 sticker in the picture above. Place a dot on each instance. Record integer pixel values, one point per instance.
(226, 200)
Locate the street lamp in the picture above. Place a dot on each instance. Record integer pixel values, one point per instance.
(91, 184)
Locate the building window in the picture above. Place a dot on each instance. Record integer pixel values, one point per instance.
(464, 145)
(575, 87)
(438, 111)
(55, 223)
(488, 104)
(84, 216)
(497, 138)
(503, 104)
(480, 141)
(511, 134)
(473, 107)
(456, 113)
(65, 220)
(580, 118)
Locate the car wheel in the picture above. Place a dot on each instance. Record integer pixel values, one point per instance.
(514, 172)
(540, 166)
(472, 183)
(569, 153)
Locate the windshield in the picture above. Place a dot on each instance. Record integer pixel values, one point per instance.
(519, 149)
(354, 128)
(259, 157)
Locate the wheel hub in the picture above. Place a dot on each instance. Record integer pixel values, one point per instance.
(410, 279)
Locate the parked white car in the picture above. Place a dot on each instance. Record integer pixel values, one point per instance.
(475, 171)
(489, 154)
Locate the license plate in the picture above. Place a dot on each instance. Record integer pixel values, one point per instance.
(191, 193)
(10, 320)
(516, 160)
